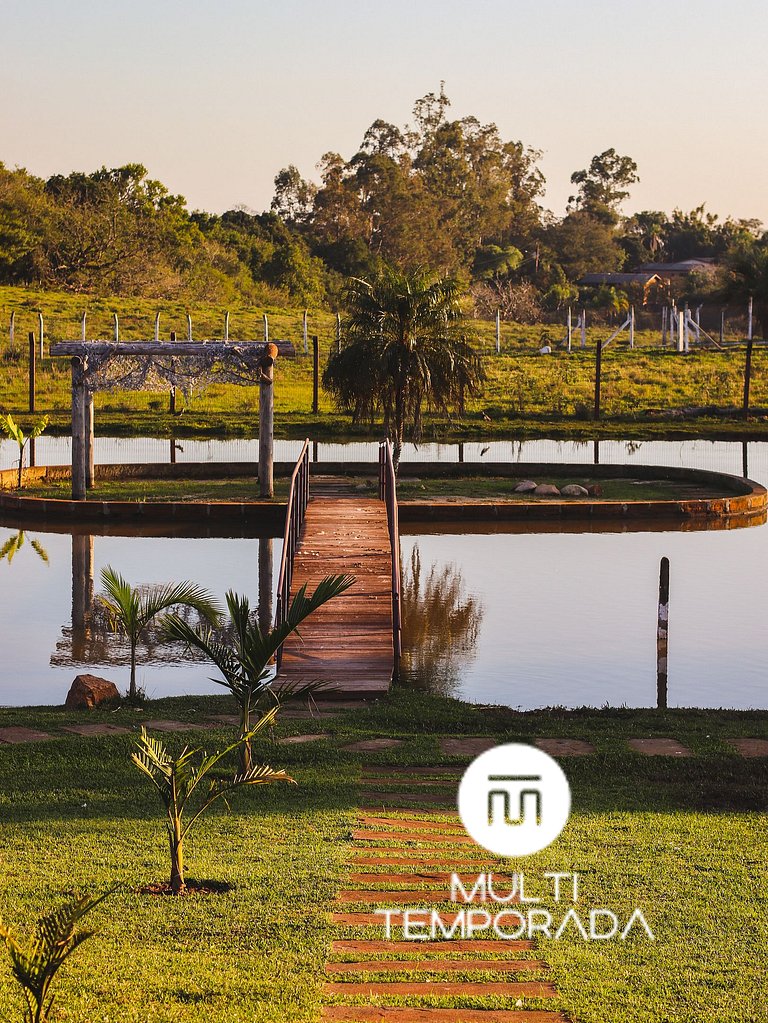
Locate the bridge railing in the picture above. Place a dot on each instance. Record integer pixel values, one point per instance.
(388, 494)
(298, 498)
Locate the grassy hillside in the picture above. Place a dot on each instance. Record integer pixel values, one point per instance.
(525, 392)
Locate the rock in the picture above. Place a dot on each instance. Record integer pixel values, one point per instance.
(545, 350)
(88, 691)
(595, 490)
(546, 490)
(574, 490)
(525, 487)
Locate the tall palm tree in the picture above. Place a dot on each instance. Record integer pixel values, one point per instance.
(130, 610)
(245, 663)
(405, 348)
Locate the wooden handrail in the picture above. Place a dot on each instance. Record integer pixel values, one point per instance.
(388, 494)
(298, 498)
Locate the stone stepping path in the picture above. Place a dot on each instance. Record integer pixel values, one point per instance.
(14, 734)
(565, 747)
(292, 740)
(477, 965)
(97, 729)
(750, 747)
(659, 747)
(373, 745)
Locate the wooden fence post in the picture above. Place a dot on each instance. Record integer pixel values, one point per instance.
(264, 612)
(12, 331)
(498, 331)
(662, 635)
(117, 326)
(226, 326)
(78, 430)
(41, 329)
(304, 330)
(157, 326)
(315, 374)
(266, 329)
(569, 330)
(82, 324)
(189, 327)
(747, 377)
(172, 397)
(266, 429)
(598, 372)
(32, 371)
(338, 332)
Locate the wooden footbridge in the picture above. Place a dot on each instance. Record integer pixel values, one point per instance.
(353, 642)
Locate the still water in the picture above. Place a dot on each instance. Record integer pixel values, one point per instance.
(526, 619)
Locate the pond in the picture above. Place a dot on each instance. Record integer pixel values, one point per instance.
(528, 619)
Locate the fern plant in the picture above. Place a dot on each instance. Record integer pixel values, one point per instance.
(177, 779)
(35, 964)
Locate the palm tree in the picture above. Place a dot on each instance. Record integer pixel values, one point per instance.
(245, 663)
(405, 348)
(11, 429)
(130, 610)
(176, 780)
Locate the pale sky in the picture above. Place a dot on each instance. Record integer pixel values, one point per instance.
(214, 98)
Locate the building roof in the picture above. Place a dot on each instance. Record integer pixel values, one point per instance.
(685, 266)
(637, 277)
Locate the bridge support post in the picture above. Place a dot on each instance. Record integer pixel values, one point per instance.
(79, 430)
(266, 427)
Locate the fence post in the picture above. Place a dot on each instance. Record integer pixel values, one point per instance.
(32, 371)
(315, 374)
(226, 326)
(41, 332)
(498, 332)
(12, 331)
(172, 398)
(662, 635)
(304, 330)
(569, 329)
(189, 327)
(82, 325)
(266, 330)
(749, 319)
(157, 326)
(266, 429)
(598, 371)
(631, 327)
(338, 332)
(722, 325)
(747, 377)
(79, 448)
(117, 326)
(664, 313)
(583, 328)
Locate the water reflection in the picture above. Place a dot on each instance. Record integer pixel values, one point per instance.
(89, 639)
(440, 625)
(14, 543)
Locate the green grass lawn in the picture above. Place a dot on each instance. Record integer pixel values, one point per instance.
(226, 490)
(684, 840)
(525, 393)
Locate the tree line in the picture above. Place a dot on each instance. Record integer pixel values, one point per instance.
(448, 194)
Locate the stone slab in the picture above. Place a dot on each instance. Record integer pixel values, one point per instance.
(453, 945)
(293, 740)
(14, 734)
(372, 745)
(463, 989)
(366, 835)
(439, 966)
(565, 747)
(471, 746)
(750, 747)
(400, 1014)
(96, 729)
(659, 747)
(167, 725)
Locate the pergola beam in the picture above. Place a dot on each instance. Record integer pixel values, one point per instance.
(82, 349)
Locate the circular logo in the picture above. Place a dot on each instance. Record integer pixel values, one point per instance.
(514, 799)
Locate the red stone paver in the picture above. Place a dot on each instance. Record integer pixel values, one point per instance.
(440, 877)
(401, 1014)
(396, 799)
(397, 782)
(418, 858)
(464, 989)
(377, 920)
(372, 745)
(226, 719)
(291, 740)
(167, 725)
(659, 747)
(413, 824)
(348, 946)
(15, 734)
(750, 747)
(96, 729)
(385, 770)
(366, 835)
(401, 898)
(467, 747)
(439, 966)
(565, 747)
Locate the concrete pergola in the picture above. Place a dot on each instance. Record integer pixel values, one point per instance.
(156, 363)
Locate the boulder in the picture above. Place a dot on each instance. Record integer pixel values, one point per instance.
(595, 490)
(546, 490)
(88, 691)
(574, 490)
(525, 487)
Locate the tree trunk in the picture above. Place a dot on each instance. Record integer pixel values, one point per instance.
(132, 688)
(245, 748)
(177, 861)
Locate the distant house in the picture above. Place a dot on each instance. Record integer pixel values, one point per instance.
(670, 271)
(641, 282)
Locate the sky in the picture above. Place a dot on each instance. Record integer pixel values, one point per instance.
(214, 98)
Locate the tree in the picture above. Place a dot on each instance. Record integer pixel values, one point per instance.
(130, 610)
(177, 779)
(747, 270)
(604, 185)
(583, 244)
(11, 429)
(405, 347)
(245, 665)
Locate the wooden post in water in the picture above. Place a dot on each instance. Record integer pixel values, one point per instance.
(265, 584)
(662, 635)
(82, 591)
(747, 378)
(745, 459)
(32, 371)
(79, 396)
(315, 374)
(598, 371)
(596, 452)
(267, 423)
